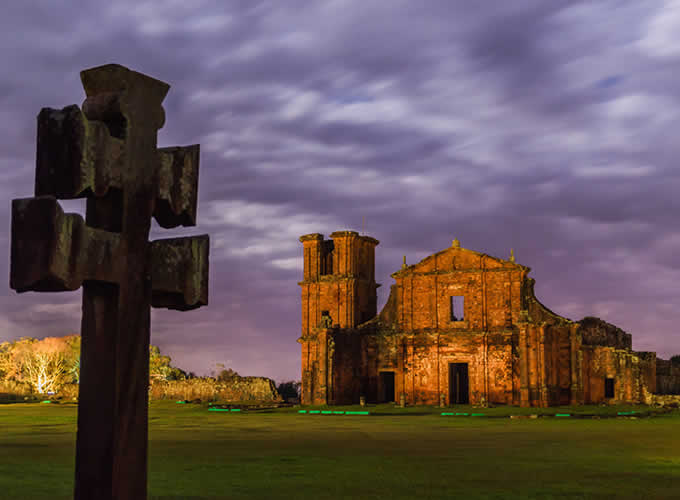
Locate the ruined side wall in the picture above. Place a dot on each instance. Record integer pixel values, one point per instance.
(235, 390)
(630, 371)
(538, 312)
(595, 331)
(667, 377)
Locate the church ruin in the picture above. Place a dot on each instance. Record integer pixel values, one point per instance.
(459, 327)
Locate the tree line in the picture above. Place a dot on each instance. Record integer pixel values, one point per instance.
(48, 364)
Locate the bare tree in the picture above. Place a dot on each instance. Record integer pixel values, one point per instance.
(42, 363)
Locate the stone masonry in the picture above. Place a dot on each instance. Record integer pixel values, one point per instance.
(458, 327)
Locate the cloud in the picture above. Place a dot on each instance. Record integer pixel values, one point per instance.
(545, 127)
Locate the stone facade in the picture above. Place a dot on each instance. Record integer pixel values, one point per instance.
(458, 327)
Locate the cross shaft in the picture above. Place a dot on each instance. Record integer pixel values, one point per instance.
(108, 154)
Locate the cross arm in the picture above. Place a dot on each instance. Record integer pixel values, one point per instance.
(69, 148)
(79, 157)
(53, 252)
(177, 186)
(179, 272)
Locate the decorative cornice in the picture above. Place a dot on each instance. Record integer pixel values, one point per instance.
(343, 234)
(332, 278)
(311, 237)
(410, 270)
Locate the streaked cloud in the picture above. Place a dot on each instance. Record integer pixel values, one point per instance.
(484, 126)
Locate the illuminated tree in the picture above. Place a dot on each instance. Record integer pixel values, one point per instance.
(47, 364)
(42, 363)
(73, 343)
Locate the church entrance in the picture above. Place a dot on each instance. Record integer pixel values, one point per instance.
(386, 387)
(458, 384)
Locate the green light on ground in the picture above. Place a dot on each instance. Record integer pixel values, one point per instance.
(302, 411)
(181, 402)
(563, 415)
(461, 414)
(451, 414)
(314, 411)
(326, 412)
(477, 415)
(46, 401)
(236, 409)
(356, 413)
(218, 409)
(338, 412)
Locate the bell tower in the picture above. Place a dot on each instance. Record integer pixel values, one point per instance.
(338, 280)
(338, 291)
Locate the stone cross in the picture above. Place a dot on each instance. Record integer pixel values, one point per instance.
(107, 153)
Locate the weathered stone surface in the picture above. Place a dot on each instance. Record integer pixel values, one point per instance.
(79, 157)
(237, 389)
(62, 253)
(507, 348)
(179, 272)
(107, 153)
(177, 186)
(595, 331)
(66, 252)
(667, 377)
(76, 157)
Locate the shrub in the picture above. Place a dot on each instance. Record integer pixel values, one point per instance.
(289, 390)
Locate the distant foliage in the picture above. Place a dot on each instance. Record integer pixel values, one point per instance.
(675, 359)
(53, 365)
(67, 392)
(289, 390)
(160, 367)
(223, 374)
(11, 390)
(43, 364)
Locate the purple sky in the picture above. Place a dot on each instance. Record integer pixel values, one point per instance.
(552, 131)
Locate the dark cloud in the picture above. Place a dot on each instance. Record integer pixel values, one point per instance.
(546, 127)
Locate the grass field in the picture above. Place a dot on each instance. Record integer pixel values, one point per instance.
(412, 453)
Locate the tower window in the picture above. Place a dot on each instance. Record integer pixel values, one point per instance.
(457, 308)
(327, 257)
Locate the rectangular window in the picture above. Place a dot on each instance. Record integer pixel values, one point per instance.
(326, 258)
(457, 308)
(609, 388)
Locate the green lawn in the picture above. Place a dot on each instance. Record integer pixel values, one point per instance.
(412, 453)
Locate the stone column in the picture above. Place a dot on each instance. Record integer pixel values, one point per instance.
(523, 366)
(322, 393)
(542, 375)
(532, 341)
(576, 390)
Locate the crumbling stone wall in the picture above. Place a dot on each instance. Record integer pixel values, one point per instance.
(235, 390)
(629, 371)
(595, 331)
(667, 377)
